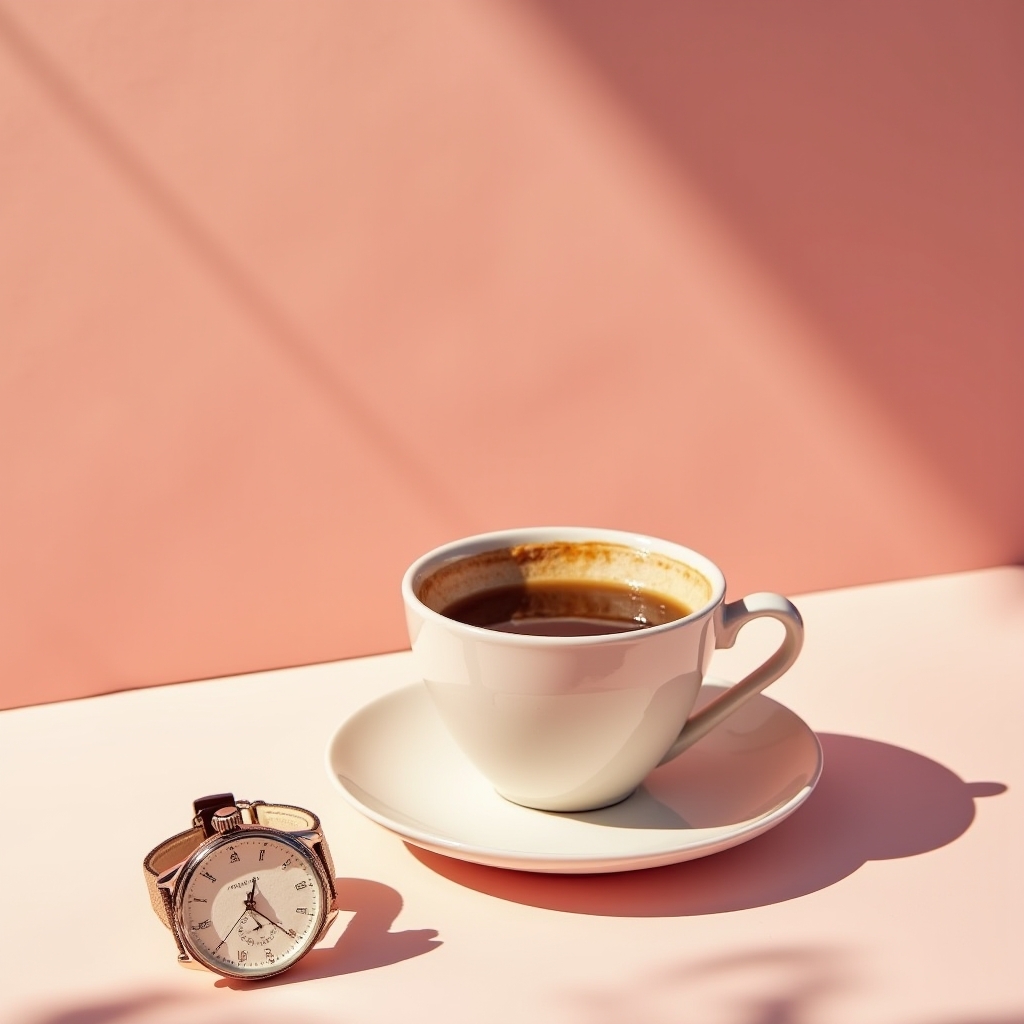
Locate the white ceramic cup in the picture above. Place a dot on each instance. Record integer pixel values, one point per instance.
(576, 723)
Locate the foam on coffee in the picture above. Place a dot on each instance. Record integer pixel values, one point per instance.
(563, 562)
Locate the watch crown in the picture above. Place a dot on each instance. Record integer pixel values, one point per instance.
(227, 819)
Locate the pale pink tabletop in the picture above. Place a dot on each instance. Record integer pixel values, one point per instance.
(893, 895)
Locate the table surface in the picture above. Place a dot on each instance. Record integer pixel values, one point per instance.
(893, 895)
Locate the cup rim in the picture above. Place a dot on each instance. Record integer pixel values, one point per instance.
(475, 544)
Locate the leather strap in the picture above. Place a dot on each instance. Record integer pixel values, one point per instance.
(178, 848)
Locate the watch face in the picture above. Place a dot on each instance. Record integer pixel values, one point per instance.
(250, 903)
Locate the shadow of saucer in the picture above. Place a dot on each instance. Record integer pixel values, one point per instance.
(875, 801)
(366, 943)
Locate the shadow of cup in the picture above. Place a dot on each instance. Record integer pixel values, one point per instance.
(875, 801)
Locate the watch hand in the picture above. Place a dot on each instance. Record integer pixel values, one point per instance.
(247, 910)
(276, 924)
(250, 903)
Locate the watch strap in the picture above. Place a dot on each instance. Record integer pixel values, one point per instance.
(283, 817)
(160, 860)
(171, 852)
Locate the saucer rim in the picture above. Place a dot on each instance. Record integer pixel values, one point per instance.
(716, 839)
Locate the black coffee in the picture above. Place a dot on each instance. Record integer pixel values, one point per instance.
(566, 608)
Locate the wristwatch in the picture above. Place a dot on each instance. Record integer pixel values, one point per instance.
(248, 890)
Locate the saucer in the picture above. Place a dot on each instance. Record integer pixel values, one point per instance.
(394, 761)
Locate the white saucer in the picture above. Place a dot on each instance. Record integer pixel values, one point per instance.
(394, 761)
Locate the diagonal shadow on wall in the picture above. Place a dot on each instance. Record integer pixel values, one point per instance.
(870, 156)
(321, 375)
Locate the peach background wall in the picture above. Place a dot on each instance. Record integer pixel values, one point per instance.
(290, 292)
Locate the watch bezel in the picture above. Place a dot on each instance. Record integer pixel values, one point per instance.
(210, 846)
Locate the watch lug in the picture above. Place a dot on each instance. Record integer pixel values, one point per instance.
(328, 921)
(168, 879)
(308, 839)
(186, 961)
(249, 809)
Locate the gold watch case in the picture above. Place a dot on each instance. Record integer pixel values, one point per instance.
(249, 901)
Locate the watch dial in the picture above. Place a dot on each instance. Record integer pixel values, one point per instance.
(252, 905)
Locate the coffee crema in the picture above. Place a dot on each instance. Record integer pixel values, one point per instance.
(566, 608)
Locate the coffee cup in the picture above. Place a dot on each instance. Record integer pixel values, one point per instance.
(566, 662)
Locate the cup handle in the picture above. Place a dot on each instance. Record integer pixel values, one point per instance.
(731, 619)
